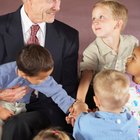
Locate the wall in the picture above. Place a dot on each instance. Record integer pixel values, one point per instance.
(77, 13)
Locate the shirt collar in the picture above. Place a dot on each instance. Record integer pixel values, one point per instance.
(27, 23)
(103, 48)
(112, 116)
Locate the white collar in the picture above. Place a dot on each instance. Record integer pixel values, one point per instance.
(27, 23)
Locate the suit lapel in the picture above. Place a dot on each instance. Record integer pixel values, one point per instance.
(13, 36)
(53, 40)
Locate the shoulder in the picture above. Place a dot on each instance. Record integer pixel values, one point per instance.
(92, 47)
(7, 19)
(64, 28)
(130, 39)
(84, 118)
(8, 67)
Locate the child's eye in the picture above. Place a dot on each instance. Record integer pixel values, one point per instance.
(101, 17)
(132, 58)
(93, 19)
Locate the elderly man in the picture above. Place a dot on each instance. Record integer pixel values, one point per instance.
(34, 22)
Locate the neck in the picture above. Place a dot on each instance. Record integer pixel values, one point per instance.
(112, 42)
(117, 111)
(29, 12)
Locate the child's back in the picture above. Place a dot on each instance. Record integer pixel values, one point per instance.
(111, 122)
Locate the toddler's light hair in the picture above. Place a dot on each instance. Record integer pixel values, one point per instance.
(112, 88)
(52, 134)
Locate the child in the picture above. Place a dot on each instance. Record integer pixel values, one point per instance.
(110, 49)
(51, 134)
(111, 122)
(32, 69)
(133, 70)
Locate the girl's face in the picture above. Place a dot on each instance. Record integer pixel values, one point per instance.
(133, 63)
(103, 23)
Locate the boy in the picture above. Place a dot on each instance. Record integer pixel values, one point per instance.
(111, 122)
(133, 70)
(110, 49)
(32, 70)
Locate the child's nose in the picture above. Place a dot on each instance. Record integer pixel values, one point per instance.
(96, 21)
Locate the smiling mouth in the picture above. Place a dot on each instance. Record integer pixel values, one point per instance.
(51, 13)
(97, 29)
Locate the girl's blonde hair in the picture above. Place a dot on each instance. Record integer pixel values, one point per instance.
(119, 11)
(52, 134)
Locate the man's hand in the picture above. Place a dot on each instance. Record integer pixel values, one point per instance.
(5, 113)
(13, 94)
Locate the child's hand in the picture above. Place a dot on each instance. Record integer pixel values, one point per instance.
(78, 107)
(70, 119)
(5, 113)
(75, 111)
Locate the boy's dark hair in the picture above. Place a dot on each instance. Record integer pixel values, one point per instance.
(33, 59)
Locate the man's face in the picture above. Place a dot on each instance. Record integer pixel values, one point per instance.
(43, 10)
(133, 63)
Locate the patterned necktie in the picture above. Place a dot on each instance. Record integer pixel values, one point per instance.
(33, 38)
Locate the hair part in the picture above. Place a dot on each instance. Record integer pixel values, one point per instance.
(33, 59)
(52, 134)
(119, 11)
(112, 88)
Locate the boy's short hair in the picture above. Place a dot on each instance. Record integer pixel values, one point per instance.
(112, 88)
(33, 59)
(119, 11)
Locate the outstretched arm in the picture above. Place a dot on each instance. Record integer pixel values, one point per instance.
(85, 81)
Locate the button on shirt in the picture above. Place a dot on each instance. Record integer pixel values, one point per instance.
(98, 56)
(105, 126)
(9, 78)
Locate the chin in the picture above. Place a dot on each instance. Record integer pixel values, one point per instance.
(49, 19)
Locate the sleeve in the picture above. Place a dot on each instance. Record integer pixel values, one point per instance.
(2, 50)
(135, 41)
(51, 89)
(3, 77)
(90, 59)
(78, 133)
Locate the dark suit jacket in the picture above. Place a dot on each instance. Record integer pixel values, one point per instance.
(61, 40)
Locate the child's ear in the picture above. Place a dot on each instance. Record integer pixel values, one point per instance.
(96, 100)
(21, 74)
(119, 25)
(127, 97)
